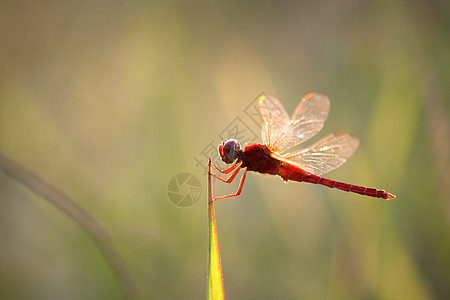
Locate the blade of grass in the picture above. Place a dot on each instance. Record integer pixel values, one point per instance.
(215, 276)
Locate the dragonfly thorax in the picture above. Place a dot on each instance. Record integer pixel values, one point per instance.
(229, 150)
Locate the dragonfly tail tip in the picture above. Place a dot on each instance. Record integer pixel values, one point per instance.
(389, 196)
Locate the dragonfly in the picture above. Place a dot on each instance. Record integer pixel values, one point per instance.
(279, 133)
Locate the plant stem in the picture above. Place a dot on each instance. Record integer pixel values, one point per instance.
(216, 289)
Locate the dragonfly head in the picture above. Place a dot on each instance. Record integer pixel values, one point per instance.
(229, 150)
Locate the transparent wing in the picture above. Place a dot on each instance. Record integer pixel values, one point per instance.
(325, 155)
(275, 119)
(281, 133)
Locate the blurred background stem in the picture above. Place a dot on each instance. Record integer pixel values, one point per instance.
(65, 204)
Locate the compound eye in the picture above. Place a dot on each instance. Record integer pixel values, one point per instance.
(229, 151)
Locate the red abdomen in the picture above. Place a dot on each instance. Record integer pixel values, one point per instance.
(258, 158)
(292, 172)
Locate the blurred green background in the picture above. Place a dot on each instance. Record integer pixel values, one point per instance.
(108, 100)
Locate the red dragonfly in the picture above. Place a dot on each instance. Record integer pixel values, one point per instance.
(280, 133)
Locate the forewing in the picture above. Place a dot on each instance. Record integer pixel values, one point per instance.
(280, 132)
(325, 155)
(274, 117)
(306, 121)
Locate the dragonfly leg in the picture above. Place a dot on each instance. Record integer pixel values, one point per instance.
(231, 177)
(241, 185)
(228, 170)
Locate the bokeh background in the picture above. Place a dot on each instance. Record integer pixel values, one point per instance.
(108, 100)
